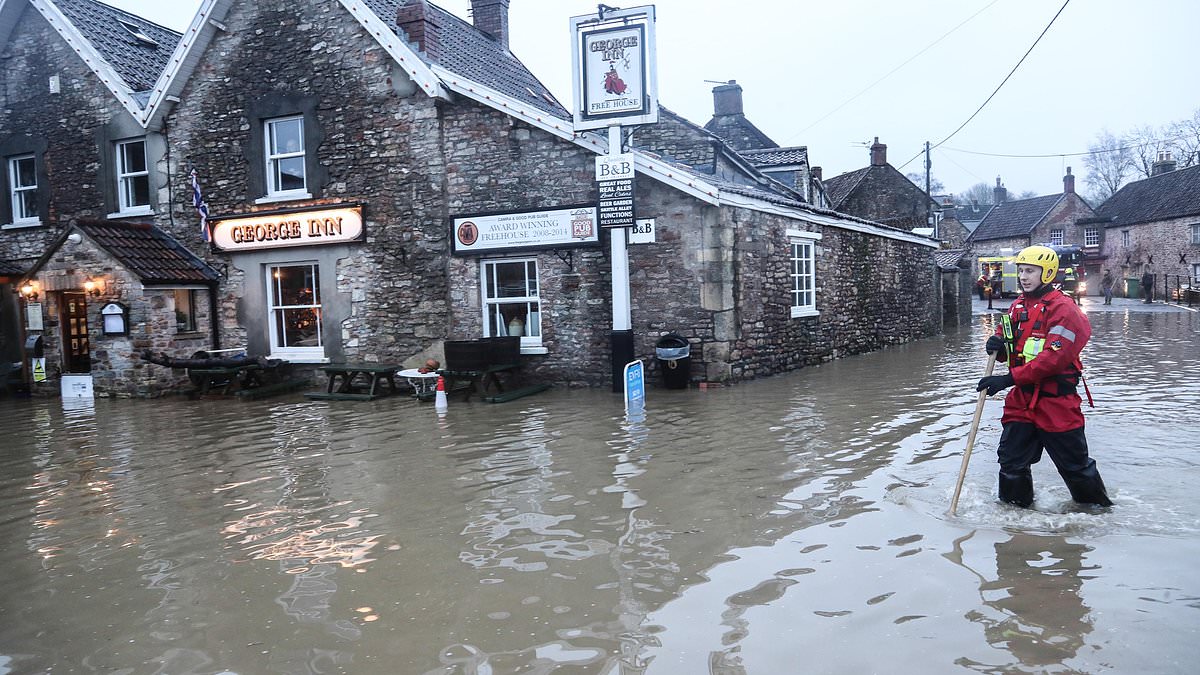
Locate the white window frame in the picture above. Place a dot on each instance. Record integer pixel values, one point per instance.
(297, 354)
(1196, 273)
(126, 179)
(1196, 233)
(274, 157)
(1091, 236)
(802, 271)
(17, 192)
(1126, 239)
(191, 323)
(530, 344)
(1056, 236)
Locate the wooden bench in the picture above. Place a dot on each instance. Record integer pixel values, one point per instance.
(243, 377)
(475, 366)
(377, 380)
(514, 394)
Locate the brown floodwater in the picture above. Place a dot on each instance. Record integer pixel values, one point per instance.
(793, 524)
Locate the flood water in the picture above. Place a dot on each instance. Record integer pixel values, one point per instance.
(796, 524)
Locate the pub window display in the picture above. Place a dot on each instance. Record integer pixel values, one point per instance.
(295, 309)
(510, 300)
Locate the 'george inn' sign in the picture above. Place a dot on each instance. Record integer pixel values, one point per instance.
(294, 227)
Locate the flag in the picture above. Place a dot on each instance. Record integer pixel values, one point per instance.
(200, 205)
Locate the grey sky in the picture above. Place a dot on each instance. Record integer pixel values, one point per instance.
(804, 67)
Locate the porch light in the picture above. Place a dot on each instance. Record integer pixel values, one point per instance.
(30, 292)
(91, 288)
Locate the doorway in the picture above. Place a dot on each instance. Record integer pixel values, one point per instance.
(77, 355)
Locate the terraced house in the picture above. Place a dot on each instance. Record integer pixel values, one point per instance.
(340, 148)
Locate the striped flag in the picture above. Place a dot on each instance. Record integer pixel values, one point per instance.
(200, 205)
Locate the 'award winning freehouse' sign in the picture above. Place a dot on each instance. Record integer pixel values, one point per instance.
(614, 68)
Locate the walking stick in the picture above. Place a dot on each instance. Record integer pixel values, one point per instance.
(962, 473)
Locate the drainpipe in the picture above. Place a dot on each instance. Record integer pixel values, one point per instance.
(212, 314)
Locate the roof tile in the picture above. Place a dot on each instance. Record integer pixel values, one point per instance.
(153, 255)
(1175, 194)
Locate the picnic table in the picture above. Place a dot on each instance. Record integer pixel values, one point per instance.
(357, 382)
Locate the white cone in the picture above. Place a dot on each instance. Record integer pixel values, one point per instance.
(439, 399)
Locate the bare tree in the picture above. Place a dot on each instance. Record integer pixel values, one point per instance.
(918, 179)
(1184, 142)
(979, 193)
(1108, 166)
(1145, 142)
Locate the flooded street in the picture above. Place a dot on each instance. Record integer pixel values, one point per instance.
(793, 524)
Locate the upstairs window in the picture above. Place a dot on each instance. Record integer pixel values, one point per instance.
(133, 177)
(1091, 236)
(1056, 237)
(285, 157)
(1125, 238)
(23, 187)
(1196, 233)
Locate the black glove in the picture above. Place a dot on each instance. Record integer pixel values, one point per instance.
(995, 344)
(995, 383)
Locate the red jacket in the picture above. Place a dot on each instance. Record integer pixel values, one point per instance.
(1045, 389)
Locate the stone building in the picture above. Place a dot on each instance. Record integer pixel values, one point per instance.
(382, 176)
(1154, 225)
(879, 192)
(1065, 218)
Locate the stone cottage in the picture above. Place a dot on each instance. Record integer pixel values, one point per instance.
(382, 176)
(1154, 225)
(879, 192)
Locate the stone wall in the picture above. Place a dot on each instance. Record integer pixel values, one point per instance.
(884, 195)
(1157, 246)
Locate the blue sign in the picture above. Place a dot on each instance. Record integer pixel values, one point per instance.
(635, 386)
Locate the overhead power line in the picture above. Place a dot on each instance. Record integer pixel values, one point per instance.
(999, 86)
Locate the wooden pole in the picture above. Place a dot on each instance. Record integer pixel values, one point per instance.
(962, 473)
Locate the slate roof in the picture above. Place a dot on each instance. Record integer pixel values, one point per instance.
(153, 255)
(768, 157)
(138, 63)
(1015, 218)
(722, 126)
(1174, 194)
(948, 258)
(9, 268)
(477, 56)
(839, 187)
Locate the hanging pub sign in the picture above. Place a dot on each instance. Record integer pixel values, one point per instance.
(615, 75)
(524, 231)
(332, 224)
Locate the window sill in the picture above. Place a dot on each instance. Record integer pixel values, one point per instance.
(131, 213)
(299, 358)
(21, 224)
(283, 197)
(804, 313)
(535, 351)
(189, 334)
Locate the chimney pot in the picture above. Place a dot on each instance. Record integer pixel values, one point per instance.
(878, 153)
(816, 172)
(1068, 183)
(491, 17)
(727, 99)
(1164, 164)
(999, 193)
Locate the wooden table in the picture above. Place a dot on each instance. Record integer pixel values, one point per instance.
(357, 382)
(245, 377)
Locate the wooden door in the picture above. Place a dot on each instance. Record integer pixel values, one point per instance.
(77, 356)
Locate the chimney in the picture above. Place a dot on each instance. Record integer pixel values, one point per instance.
(1068, 183)
(420, 24)
(491, 17)
(999, 194)
(878, 153)
(727, 99)
(816, 172)
(1163, 164)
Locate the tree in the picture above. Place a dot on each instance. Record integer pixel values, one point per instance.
(1109, 163)
(918, 179)
(979, 193)
(1184, 142)
(1144, 143)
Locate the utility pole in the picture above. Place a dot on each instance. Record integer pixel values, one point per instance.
(928, 213)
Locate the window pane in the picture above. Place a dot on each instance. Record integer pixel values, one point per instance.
(511, 280)
(133, 157)
(299, 327)
(287, 136)
(25, 205)
(290, 174)
(295, 285)
(24, 173)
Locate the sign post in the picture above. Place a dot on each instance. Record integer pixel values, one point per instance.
(615, 83)
(635, 387)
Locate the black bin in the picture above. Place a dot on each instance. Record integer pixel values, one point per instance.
(674, 360)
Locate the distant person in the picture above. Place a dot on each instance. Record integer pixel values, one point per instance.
(1042, 411)
(1106, 285)
(1147, 286)
(981, 284)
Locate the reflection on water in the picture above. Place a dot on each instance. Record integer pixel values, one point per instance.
(798, 519)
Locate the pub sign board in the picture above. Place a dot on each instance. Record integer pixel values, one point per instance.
(329, 224)
(566, 227)
(614, 180)
(614, 75)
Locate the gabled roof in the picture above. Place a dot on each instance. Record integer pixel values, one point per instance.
(1014, 219)
(1174, 194)
(153, 255)
(126, 52)
(839, 187)
(768, 157)
(948, 258)
(730, 127)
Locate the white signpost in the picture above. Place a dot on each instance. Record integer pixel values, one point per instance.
(615, 79)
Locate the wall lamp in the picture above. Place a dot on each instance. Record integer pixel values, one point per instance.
(92, 288)
(30, 292)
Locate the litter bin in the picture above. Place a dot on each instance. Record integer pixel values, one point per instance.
(1131, 288)
(674, 360)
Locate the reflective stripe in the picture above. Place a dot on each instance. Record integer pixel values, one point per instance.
(1066, 333)
(1032, 347)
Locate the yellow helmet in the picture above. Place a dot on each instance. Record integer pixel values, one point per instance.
(1040, 256)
